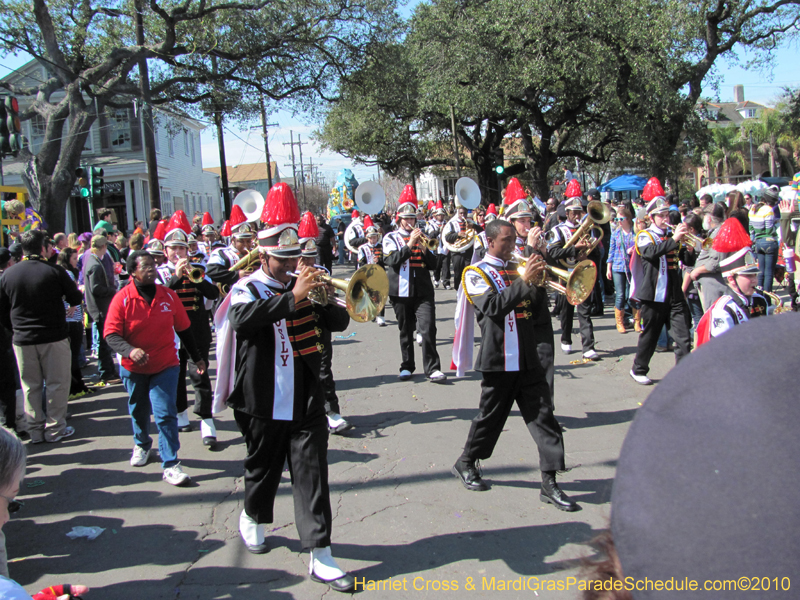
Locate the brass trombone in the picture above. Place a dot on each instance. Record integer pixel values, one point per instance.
(365, 293)
(247, 262)
(576, 285)
(597, 213)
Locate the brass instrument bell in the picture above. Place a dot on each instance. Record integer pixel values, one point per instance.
(576, 285)
(597, 213)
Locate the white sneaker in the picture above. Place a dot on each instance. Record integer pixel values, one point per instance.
(419, 339)
(338, 424)
(380, 321)
(566, 348)
(591, 355)
(437, 377)
(175, 476)
(140, 456)
(436, 284)
(323, 567)
(641, 379)
(252, 533)
(405, 375)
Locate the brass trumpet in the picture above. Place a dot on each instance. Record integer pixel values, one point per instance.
(576, 285)
(597, 213)
(197, 274)
(365, 293)
(430, 243)
(690, 239)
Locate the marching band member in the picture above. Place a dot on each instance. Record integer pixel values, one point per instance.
(174, 274)
(354, 234)
(222, 259)
(455, 230)
(481, 244)
(338, 320)
(656, 282)
(441, 274)
(509, 363)
(407, 263)
(742, 302)
(558, 237)
(269, 364)
(371, 253)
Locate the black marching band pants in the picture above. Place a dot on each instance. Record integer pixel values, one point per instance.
(676, 316)
(584, 323)
(417, 314)
(461, 261)
(326, 378)
(203, 395)
(442, 270)
(529, 389)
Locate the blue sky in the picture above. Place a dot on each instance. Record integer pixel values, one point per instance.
(246, 146)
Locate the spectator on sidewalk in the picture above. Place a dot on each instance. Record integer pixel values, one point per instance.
(31, 306)
(68, 260)
(99, 292)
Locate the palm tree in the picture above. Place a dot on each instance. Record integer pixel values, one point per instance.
(726, 144)
(769, 133)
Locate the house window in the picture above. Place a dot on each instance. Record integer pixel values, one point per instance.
(193, 157)
(186, 142)
(750, 113)
(171, 144)
(119, 130)
(167, 207)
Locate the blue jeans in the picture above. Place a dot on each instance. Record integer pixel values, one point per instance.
(342, 251)
(622, 289)
(767, 255)
(696, 309)
(156, 392)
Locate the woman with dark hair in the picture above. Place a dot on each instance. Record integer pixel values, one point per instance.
(68, 260)
(764, 233)
(155, 217)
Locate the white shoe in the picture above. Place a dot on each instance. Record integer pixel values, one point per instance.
(323, 568)
(139, 457)
(641, 379)
(591, 355)
(419, 339)
(437, 377)
(252, 533)
(175, 476)
(380, 321)
(338, 424)
(405, 375)
(436, 284)
(566, 348)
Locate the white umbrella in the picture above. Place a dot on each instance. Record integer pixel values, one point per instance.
(754, 187)
(716, 190)
(788, 193)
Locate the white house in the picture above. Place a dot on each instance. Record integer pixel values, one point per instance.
(115, 144)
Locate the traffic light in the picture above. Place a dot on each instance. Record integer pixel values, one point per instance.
(11, 140)
(96, 184)
(498, 161)
(82, 174)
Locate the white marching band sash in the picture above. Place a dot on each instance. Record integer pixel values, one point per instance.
(393, 242)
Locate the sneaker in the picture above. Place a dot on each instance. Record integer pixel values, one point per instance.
(338, 424)
(77, 395)
(175, 476)
(380, 321)
(115, 381)
(566, 348)
(446, 285)
(641, 379)
(436, 284)
(405, 375)
(97, 384)
(662, 349)
(591, 355)
(419, 339)
(437, 377)
(140, 456)
(67, 432)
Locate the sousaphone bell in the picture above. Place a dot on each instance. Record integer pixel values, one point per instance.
(251, 202)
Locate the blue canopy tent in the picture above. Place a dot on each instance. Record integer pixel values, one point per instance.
(624, 183)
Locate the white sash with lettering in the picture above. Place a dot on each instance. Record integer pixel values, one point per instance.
(394, 242)
(510, 337)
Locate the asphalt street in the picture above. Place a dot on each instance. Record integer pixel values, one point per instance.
(399, 513)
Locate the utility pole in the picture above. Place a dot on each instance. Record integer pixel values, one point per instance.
(264, 126)
(455, 144)
(149, 139)
(223, 171)
(294, 171)
(302, 174)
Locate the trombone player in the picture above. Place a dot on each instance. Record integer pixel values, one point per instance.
(193, 289)
(221, 260)
(571, 254)
(457, 231)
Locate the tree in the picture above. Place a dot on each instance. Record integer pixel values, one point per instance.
(769, 132)
(726, 150)
(283, 50)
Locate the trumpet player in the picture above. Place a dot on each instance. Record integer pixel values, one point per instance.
(407, 262)
(657, 284)
(371, 253)
(456, 230)
(572, 255)
(222, 259)
(441, 274)
(193, 293)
